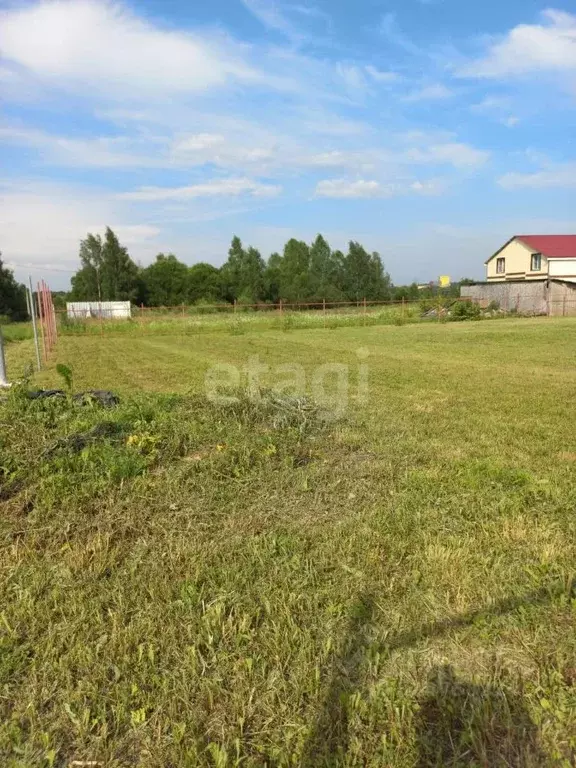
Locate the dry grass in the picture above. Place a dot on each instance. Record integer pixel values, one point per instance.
(217, 587)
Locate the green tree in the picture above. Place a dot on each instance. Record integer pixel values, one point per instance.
(324, 277)
(120, 276)
(406, 292)
(204, 282)
(86, 283)
(272, 278)
(294, 271)
(12, 295)
(166, 281)
(244, 273)
(107, 272)
(364, 275)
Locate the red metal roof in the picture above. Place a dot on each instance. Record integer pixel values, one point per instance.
(552, 246)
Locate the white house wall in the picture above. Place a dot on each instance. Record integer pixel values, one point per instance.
(562, 268)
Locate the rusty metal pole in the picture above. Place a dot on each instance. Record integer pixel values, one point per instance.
(41, 318)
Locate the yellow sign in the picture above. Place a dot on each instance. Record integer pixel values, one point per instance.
(444, 281)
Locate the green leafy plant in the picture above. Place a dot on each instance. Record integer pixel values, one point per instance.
(465, 310)
(65, 374)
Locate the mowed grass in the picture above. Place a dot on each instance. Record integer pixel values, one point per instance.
(226, 586)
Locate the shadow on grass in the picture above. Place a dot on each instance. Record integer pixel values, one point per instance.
(329, 738)
(463, 724)
(459, 723)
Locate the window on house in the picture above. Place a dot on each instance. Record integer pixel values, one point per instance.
(536, 262)
(500, 265)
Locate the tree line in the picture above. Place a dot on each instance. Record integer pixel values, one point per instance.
(301, 273)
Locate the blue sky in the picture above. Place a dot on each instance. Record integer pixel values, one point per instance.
(430, 130)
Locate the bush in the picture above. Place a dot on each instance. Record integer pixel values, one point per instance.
(465, 310)
(203, 307)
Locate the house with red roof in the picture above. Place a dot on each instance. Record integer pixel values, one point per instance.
(530, 274)
(534, 257)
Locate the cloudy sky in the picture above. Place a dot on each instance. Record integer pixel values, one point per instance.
(430, 130)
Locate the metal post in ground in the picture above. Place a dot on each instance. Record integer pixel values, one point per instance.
(3, 378)
(41, 318)
(34, 325)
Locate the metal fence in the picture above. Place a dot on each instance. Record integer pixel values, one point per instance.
(44, 326)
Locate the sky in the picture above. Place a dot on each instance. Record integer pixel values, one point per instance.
(429, 130)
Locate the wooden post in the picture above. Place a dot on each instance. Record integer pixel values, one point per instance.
(234, 306)
(364, 311)
(41, 318)
(403, 302)
(47, 318)
(564, 306)
(280, 306)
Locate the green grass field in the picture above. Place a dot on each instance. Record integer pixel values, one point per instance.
(192, 584)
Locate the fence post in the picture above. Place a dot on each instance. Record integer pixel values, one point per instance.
(41, 318)
(3, 379)
(234, 306)
(280, 306)
(564, 306)
(34, 326)
(403, 301)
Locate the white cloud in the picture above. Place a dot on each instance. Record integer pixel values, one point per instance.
(97, 152)
(346, 188)
(452, 153)
(390, 30)
(381, 76)
(242, 149)
(435, 92)
(42, 224)
(548, 46)
(134, 234)
(562, 176)
(270, 15)
(353, 79)
(104, 46)
(497, 108)
(276, 16)
(429, 187)
(216, 188)
(199, 141)
(361, 188)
